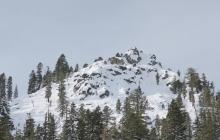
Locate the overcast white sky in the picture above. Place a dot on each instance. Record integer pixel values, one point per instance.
(181, 33)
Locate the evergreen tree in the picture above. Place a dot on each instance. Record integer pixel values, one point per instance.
(48, 92)
(174, 127)
(16, 92)
(107, 118)
(32, 83)
(9, 88)
(118, 106)
(191, 97)
(63, 103)
(71, 70)
(217, 115)
(178, 73)
(157, 78)
(76, 68)
(47, 78)
(188, 131)
(2, 85)
(39, 76)
(176, 86)
(184, 90)
(206, 99)
(94, 124)
(204, 81)
(61, 69)
(164, 130)
(29, 130)
(179, 101)
(206, 128)
(134, 124)
(193, 79)
(6, 124)
(108, 121)
(81, 124)
(69, 127)
(49, 127)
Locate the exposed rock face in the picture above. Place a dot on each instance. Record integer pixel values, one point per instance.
(130, 68)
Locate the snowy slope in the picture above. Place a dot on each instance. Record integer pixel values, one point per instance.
(103, 83)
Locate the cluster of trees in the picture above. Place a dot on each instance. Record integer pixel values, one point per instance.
(6, 95)
(178, 125)
(39, 80)
(33, 132)
(96, 124)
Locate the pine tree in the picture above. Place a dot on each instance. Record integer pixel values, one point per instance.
(69, 127)
(118, 106)
(6, 124)
(29, 130)
(206, 98)
(2, 85)
(47, 78)
(206, 130)
(204, 81)
(94, 124)
(76, 68)
(184, 90)
(63, 103)
(179, 101)
(32, 83)
(217, 115)
(191, 97)
(178, 73)
(134, 124)
(188, 131)
(174, 127)
(193, 79)
(16, 92)
(39, 76)
(107, 118)
(9, 88)
(48, 92)
(164, 131)
(70, 71)
(157, 78)
(61, 69)
(49, 127)
(81, 124)
(176, 86)
(108, 121)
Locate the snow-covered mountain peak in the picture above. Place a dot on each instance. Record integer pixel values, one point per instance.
(102, 83)
(121, 72)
